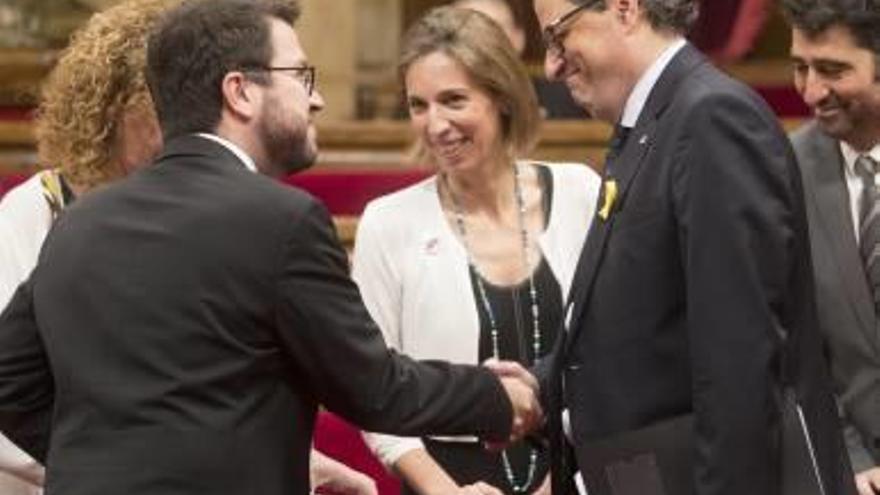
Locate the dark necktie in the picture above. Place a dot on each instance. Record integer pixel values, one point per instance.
(618, 140)
(869, 225)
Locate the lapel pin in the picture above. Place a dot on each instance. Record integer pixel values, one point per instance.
(432, 246)
(643, 139)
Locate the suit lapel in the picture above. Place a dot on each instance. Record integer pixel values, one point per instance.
(832, 201)
(625, 170)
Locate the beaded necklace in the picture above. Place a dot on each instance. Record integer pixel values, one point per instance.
(494, 331)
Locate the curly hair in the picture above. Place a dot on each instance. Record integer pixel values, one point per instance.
(98, 78)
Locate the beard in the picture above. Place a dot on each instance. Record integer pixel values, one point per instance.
(289, 146)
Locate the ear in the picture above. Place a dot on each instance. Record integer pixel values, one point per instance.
(241, 96)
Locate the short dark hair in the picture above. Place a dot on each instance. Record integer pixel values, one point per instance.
(196, 45)
(677, 16)
(860, 17)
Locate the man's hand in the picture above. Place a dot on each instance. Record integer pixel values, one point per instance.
(868, 481)
(522, 390)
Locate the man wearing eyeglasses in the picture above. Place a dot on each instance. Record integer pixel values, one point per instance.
(182, 324)
(695, 271)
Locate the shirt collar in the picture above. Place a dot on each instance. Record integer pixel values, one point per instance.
(245, 159)
(850, 155)
(642, 90)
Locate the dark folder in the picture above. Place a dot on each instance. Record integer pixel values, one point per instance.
(655, 460)
(658, 459)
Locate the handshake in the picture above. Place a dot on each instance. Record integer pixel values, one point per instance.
(523, 391)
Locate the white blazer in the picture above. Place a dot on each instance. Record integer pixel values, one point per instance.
(413, 272)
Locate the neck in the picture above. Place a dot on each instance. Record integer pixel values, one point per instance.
(648, 46)
(645, 48)
(244, 139)
(488, 190)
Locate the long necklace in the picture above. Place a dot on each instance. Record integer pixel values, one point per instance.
(494, 331)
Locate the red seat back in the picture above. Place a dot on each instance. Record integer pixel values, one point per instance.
(346, 192)
(343, 442)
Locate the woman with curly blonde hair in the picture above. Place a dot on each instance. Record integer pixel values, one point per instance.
(95, 123)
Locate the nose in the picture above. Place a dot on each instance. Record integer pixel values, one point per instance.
(554, 65)
(814, 90)
(437, 122)
(316, 101)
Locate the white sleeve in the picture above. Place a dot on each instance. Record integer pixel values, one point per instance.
(377, 276)
(13, 270)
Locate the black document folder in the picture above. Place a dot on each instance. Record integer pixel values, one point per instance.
(655, 460)
(658, 459)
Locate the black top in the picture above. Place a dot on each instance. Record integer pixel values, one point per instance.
(468, 463)
(512, 304)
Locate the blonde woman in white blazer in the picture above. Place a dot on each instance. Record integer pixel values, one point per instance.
(476, 261)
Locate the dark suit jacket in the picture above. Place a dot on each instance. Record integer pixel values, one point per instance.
(183, 325)
(845, 302)
(683, 296)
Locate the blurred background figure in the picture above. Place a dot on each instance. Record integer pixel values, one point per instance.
(476, 261)
(553, 97)
(95, 124)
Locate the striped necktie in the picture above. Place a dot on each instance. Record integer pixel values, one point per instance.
(869, 225)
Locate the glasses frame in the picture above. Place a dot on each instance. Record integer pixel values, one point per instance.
(309, 80)
(553, 36)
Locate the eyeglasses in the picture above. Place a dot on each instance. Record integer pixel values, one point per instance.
(553, 34)
(305, 73)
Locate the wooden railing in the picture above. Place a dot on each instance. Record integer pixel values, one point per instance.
(367, 144)
(377, 146)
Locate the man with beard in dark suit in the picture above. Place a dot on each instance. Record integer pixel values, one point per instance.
(695, 276)
(182, 325)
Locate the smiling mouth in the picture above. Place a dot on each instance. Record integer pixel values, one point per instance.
(826, 113)
(450, 149)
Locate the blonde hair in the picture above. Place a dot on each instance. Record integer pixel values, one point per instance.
(483, 50)
(98, 78)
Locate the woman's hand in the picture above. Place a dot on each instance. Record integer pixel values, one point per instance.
(479, 488)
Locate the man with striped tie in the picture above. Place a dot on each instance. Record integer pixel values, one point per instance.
(835, 50)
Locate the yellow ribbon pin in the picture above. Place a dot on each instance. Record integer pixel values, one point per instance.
(610, 198)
